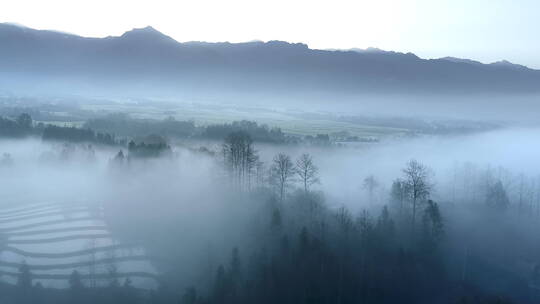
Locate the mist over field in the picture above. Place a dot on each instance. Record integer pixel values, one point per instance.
(343, 168)
(135, 168)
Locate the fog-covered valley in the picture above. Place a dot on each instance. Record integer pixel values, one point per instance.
(343, 167)
(176, 216)
(138, 167)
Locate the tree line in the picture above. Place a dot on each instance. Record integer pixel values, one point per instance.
(23, 126)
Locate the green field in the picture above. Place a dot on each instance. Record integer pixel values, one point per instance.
(291, 122)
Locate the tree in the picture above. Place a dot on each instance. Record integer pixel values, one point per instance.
(344, 220)
(303, 241)
(119, 158)
(398, 194)
(220, 286)
(235, 272)
(281, 172)
(364, 223)
(307, 171)
(151, 146)
(76, 287)
(416, 178)
(385, 225)
(114, 284)
(128, 284)
(240, 158)
(496, 197)
(25, 121)
(75, 282)
(129, 293)
(433, 224)
(276, 222)
(370, 184)
(236, 266)
(24, 280)
(24, 284)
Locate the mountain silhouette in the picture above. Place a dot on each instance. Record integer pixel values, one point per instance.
(146, 60)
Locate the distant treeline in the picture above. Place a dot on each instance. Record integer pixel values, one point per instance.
(121, 125)
(260, 133)
(118, 129)
(73, 134)
(19, 127)
(23, 126)
(169, 127)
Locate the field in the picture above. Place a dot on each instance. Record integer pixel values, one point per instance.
(295, 122)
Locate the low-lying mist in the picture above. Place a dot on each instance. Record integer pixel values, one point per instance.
(343, 169)
(182, 208)
(70, 171)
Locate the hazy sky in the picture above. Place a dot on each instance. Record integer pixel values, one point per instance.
(485, 30)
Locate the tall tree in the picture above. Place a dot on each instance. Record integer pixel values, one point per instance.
(433, 224)
(24, 284)
(240, 158)
(417, 183)
(281, 173)
(496, 197)
(76, 287)
(235, 266)
(307, 171)
(24, 280)
(276, 221)
(398, 194)
(220, 291)
(385, 225)
(75, 282)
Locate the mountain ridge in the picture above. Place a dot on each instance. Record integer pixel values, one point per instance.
(147, 58)
(151, 31)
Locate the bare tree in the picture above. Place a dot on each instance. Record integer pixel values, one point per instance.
(240, 158)
(307, 171)
(416, 178)
(281, 173)
(370, 184)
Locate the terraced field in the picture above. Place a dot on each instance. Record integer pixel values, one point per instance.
(56, 239)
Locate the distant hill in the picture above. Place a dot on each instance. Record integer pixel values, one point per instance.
(145, 61)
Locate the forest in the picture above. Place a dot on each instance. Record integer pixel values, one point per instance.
(268, 233)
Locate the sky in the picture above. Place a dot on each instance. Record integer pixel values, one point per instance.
(483, 30)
